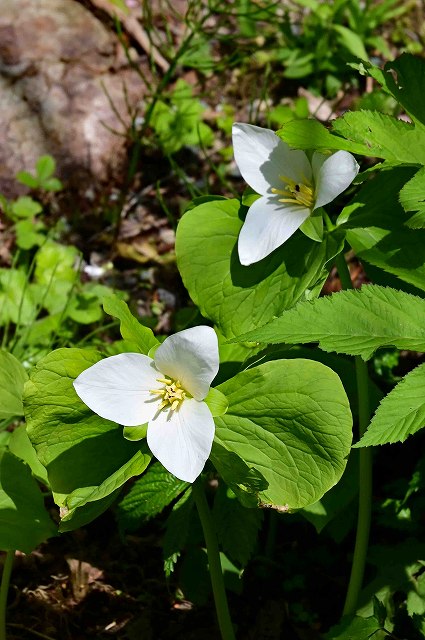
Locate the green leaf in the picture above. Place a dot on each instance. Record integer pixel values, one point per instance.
(84, 308)
(367, 133)
(26, 207)
(17, 302)
(130, 328)
(401, 413)
(290, 420)
(311, 134)
(27, 179)
(177, 529)
(55, 274)
(51, 184)
(355, 322)
(354, 628)
(148, 496)
(24, 521)
(239, 298)
(236, 526)
(351, 41)
(405, 78)
(383, 135)
(20, 445)
(84, 455)
(377, 232)
(246, 482)
(217, 402)
(412, 198)
(136, 433)
(80, 516)
(28, 234)
(12, 379)
(45, 167)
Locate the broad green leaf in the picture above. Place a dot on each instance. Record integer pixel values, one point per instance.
(27, 179)
(311, 134)
(28, 234)
(20, 445)
(26, 207)
(367, 133)
(45, 167)
(356, 628)
(246, 482)
(351, 41)
(401, 413)
(412, 198)
(240, 298)
(177, 529)
(236, 526)
(17, 302)
(133, 467)
(80, 516)
(136, 433)
(130, 327)
(82, 452)
(354, 322)
(217, 402)
(148, 496)
(405, 78)
(12, 379)
(24, 521)
(55, 274)
(377, 232)
(84, 308)
(384, 136)
(290, 420)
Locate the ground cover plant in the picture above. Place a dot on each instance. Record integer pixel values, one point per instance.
(216, 432)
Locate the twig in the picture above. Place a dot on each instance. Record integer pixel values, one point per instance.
(135, 29)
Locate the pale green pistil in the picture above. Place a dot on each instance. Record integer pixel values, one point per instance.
(172, 394)
(295, 193)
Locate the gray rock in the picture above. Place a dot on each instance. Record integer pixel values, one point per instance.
(60, 70)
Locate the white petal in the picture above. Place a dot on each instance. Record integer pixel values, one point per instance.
(262, 157)
(268, 224)
(190, 356)
(182, 439)
(118, 388)
(334, 175)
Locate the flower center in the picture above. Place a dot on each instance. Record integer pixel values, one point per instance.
(296, 192)
(172, 394)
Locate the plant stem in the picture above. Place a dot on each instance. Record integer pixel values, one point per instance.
(220, 599)
(4, 588)
(365, 470)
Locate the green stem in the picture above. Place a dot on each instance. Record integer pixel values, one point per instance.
(220, 599)
(365, 470)
(4, 588)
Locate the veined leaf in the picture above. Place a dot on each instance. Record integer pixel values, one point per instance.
(377, 232)
(401, 413)
(24, 521)
(149, 496)
(86, 457)
(12, 379)
(355, 322)
(290, 420)
(412, 198)
(131, 329)
(240, 298)
(405, 78)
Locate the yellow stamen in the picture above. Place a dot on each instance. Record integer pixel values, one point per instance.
(172, 394)
(296, 193)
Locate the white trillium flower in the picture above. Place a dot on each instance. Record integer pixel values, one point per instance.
(291, 187)
(166, 392)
